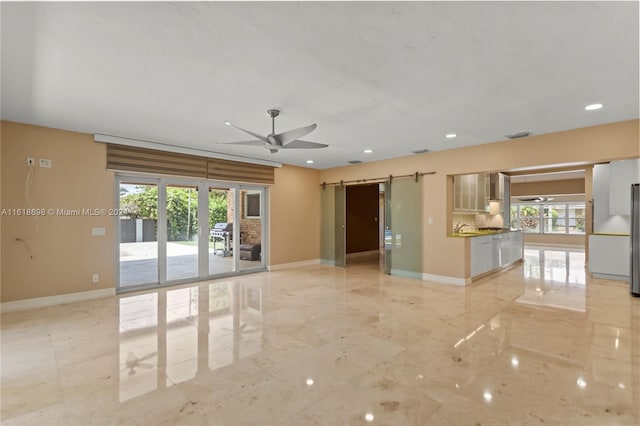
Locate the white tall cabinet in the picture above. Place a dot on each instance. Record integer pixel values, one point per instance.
(609, 243)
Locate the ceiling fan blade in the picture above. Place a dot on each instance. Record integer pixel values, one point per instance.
(291, 135)
(298, 144)
(255, 135)
(253, 143)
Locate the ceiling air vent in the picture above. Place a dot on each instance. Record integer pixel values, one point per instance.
(354, 162)
(420, 151)
(519, 135)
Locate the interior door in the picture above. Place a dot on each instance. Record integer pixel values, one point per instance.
(333, 225)
(403, 228)
(340, 225)
(327, 225)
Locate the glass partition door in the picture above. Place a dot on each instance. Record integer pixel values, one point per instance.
(333, 225)
(403, 228)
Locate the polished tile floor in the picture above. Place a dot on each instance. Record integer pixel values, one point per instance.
(540, 343)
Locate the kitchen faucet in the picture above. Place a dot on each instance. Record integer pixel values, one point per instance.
(458, 227)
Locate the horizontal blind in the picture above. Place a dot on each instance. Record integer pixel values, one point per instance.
(240, 172)
(133, 159)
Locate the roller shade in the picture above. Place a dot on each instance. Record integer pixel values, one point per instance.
(133, 159)
(239, 172)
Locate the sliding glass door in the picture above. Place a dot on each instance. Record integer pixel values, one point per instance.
(172, 231)
(182, 231)
(252, 227)
(403, 228)
(220, 258)
(138, 229)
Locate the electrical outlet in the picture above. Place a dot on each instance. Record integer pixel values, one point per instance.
(45, 162)
(30, 161)
(95, 278)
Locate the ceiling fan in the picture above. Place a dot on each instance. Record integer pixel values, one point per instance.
(285, 140)
(536, 199)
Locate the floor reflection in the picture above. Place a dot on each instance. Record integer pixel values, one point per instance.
(171, 336)
(554, 277)
(541, 342)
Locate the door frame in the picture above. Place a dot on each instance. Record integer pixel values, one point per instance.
(203, 186)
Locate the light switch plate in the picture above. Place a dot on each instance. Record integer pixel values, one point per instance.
(98, 232)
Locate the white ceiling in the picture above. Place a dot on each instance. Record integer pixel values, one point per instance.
(392, 77)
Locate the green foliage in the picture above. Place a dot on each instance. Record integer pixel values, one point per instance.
(217, 207)
(182, 209)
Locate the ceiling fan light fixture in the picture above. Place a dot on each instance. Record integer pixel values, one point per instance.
(421, 151)
(518, 135)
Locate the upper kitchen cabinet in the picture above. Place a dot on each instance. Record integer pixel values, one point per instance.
(622, 174)
(470, 192)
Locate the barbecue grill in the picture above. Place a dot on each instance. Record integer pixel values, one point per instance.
(222, 231)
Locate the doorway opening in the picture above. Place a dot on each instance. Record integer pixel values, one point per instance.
(364, 224)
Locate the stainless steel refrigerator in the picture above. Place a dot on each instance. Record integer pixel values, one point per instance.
(634, 279)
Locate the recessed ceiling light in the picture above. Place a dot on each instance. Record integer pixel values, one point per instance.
(227, 123)
(450, 136)
(593, 107)
(309, 161)
(368, 151)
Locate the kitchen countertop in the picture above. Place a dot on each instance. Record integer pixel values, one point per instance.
(469, 234)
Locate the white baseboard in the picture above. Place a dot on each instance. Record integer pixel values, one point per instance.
(406, 274)
(444, 279)
(41, 302)
(610, 276)
(293, 264)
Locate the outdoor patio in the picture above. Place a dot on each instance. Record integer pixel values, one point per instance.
(139, 262)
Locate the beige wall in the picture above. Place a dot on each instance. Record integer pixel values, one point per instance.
(294, 215)
(65, 255)
(551, 187)
(443, 255)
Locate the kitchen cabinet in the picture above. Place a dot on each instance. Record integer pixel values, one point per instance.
(470, 192)
(481, 254)
(621, 175)
(609, 256)
(512, 247)
(492, 252)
